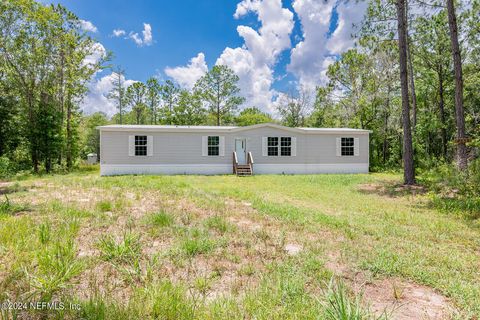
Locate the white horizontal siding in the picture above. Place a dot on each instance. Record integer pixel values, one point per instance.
(185, 148)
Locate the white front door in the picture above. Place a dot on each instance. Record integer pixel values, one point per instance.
(241, 150)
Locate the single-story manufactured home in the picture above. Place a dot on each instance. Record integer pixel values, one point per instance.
(260, 149)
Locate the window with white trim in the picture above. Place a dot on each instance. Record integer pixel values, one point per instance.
(279, 146)
(213, 145)
(348, 147)
(272, 146)
(140, 145)
(286, 146)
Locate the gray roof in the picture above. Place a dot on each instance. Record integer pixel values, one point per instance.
(172, 128)
(142, 126)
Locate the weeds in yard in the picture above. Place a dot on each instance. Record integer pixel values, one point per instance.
(217, 223)
(340, 306)
(44, 233)
(323, 213)
(161, 219)
(56, 266)
(124, 251)
(104, 206)
(198, 245)
(170, 301)
(7, 207)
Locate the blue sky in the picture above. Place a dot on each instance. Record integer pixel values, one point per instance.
(274, 46)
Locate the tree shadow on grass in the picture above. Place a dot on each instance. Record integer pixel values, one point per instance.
(6, 188)
(391, 189)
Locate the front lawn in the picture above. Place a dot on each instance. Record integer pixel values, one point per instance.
(221, 247)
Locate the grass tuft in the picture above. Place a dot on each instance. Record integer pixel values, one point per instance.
(197, 244)
(217, 223)
(161, 219)
(104, 206)
(340, 306)
(9, 208)
(44, 233)
(56, 266)
(123, 251)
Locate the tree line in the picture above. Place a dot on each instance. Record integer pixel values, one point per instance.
(43, 76)
(414, 80)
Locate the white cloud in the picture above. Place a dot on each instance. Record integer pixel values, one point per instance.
(306, 60)
(98, 52)
(311, 57)
(146, 39)
(97, 99)
(188, 75)
(254, 61)
(136, 38)
(118, 32)
(87, 26)
(147, 34)
(349, 14)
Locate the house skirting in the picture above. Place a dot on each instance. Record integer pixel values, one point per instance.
(212, 169)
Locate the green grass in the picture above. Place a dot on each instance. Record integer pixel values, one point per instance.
(161, 219)
(196, 245)
(124, 250)
(181, 250)
(217, 223)
(104, 206)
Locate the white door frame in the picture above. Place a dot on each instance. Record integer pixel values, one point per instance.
(241, 156)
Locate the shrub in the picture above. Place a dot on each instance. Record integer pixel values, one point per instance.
(6, 168)
(453, 190)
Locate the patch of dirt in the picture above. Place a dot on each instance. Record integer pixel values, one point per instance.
(398, 298)
(293, 249)
(104, 280)
(405, 300)
(245, 223)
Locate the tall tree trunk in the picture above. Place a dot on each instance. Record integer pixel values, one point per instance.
(385, 140)
(408, 167)
(69, 135)
(61, 97)
(410, 72)
(385, 125)
(441, 106)
(33, 137)
(457, 66)
(412, 87)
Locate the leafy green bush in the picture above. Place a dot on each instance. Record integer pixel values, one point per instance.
(6, 167)
(455, 191)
